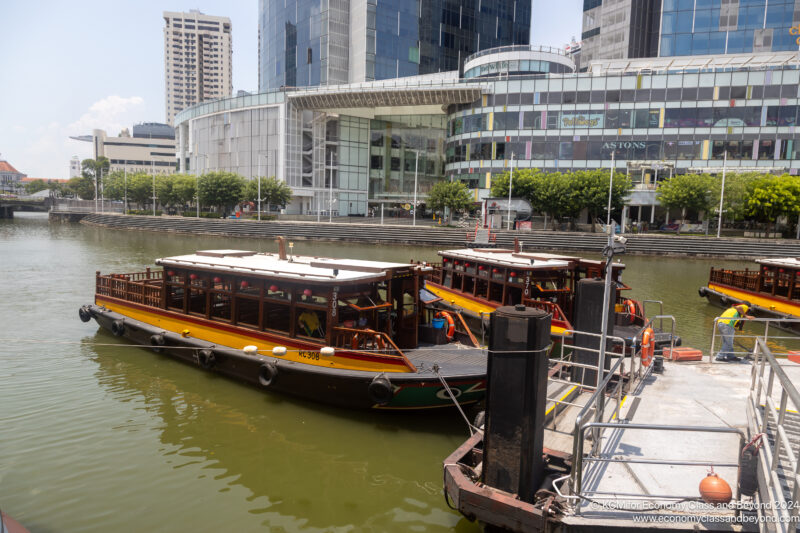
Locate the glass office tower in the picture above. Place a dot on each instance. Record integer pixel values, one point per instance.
(703, 27)
(325, 42)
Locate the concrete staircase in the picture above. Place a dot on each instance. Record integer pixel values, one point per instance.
(451, 237)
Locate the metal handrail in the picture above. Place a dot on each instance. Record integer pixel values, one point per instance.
(765, 336)
(771, 459)
(577, 470)
(660, 307)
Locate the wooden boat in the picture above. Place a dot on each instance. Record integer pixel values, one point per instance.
(475, 282)
(343, 332)
(772, 289)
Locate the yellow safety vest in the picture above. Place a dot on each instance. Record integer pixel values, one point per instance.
(730, 315)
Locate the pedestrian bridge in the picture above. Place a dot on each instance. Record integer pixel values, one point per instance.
(9, 204)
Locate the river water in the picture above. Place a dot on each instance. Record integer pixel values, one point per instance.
(99, 436)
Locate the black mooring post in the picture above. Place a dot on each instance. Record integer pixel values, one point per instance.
(588, 317)
(516, 400)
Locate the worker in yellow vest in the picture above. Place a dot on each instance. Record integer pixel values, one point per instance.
(730, 319)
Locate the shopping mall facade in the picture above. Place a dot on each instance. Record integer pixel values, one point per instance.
(348, 148)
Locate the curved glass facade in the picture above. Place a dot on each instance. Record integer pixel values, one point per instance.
(685, 119)
(516, 67)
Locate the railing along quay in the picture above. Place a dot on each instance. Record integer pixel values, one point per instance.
(450, 237)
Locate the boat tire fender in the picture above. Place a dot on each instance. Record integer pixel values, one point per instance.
(380, 390)
(118, 328)
(206, 358)
(748, 473)
(702, 291)
(480, 420)
(724, 301)
(84, 314)
(157, 341)
(267, 374)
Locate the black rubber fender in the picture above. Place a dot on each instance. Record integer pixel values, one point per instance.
(480, 419)
(206, 358)
(724, 301)
(84, 314)
(157, 341)
(267, 374)
(702, 291)
(380, 390)
(118, 328)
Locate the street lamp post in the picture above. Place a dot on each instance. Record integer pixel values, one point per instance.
(722, 192)
(330, 194)
(153, 173)
(125, 165)
(102, 193)
(416, 169)
(510, 181)
(259, 183)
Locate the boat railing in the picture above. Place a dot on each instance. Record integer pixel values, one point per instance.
(578, 493)
(768, 336)
(742, 279)
(140, 287)
(551, 307)
(769, 419)
(366, 339)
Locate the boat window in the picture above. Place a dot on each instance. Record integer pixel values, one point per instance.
(221, 305)
(498, 274)
(481, 288)
(276, 292)
(247, 310)
(311, 323)
(483, 271)
(313, 297)
(469, 284)
(496, 292)
(277, 316)
(249, 286)
(448, 279)
(198, 280)
(175, 294)
(174, 276)
(197, 301)
(220, 283)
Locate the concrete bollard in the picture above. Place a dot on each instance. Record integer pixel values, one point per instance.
(588, 317)
(516, 400)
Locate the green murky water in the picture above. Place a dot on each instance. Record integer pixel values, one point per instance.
(97, 436)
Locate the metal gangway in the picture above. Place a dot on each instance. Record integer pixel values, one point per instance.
(649, 466)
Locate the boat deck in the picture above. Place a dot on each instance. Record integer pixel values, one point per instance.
(687, 394)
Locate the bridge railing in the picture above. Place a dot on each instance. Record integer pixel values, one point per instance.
(87, 206)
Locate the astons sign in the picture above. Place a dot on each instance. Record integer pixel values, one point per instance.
(621, 145)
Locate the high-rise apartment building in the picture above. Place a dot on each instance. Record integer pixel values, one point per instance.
(619, 29)
(326, 42)
(197, 59)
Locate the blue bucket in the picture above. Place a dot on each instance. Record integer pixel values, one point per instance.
(438, 323)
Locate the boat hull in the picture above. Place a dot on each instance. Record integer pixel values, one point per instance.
(760, 306)
(340, 387)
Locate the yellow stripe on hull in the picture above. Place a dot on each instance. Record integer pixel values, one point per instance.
(761, 301)
(309, 355)
(469, 304)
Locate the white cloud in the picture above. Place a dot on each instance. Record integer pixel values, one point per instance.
(112, 113)
(45, 150)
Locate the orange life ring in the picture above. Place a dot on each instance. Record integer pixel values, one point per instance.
(648, 346)
(451, 324)
(630, 305)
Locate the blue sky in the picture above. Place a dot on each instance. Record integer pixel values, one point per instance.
(70, 67)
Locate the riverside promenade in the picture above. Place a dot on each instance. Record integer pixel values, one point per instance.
(645, 244)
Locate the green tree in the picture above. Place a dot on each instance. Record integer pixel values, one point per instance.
(221, 190)
(35, 186)
(96, 169)
(522, 184)
(737, 187)
(114, 185)
(772, 197)
(553, 196)
(453, 195)
(82, 187)
(140, 189)
(273, 191)
(688, 191)
(590, 191)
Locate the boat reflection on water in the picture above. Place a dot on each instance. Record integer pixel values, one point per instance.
(303, 465)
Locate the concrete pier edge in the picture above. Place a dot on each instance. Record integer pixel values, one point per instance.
(648, 244)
